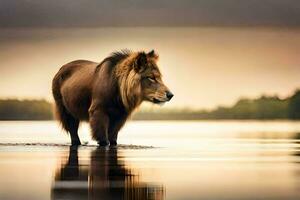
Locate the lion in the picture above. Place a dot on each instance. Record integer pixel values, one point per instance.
(105, 94)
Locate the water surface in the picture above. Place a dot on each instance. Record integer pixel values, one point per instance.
(156, 160)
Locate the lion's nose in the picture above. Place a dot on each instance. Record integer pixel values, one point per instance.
(169, 95)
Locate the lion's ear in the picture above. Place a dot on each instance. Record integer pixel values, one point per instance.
(141, 61)
(152, 54)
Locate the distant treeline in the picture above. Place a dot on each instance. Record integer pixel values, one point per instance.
(13, 109)
(265, 107)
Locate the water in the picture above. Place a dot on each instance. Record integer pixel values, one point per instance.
(156, 160)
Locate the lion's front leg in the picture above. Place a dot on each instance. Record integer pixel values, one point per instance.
(99, 122)
(114, 126)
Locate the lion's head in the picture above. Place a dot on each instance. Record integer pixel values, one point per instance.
(140, 80)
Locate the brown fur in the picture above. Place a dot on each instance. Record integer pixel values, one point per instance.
(106, 94)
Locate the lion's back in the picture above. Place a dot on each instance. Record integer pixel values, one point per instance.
(74, 84)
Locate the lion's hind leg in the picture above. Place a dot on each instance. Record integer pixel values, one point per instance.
(69, 123)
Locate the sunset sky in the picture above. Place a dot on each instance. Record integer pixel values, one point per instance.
(211, 52)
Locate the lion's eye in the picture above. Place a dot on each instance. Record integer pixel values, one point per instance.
(151, 79)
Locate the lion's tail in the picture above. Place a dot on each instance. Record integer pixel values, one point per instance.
(60, 111)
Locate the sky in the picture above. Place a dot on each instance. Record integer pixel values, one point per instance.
(95, 13)
(211, 52)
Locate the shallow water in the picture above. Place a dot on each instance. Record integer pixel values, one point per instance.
(156, 160)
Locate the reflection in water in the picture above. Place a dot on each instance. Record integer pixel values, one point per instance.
(296, 140)
(105, 177)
